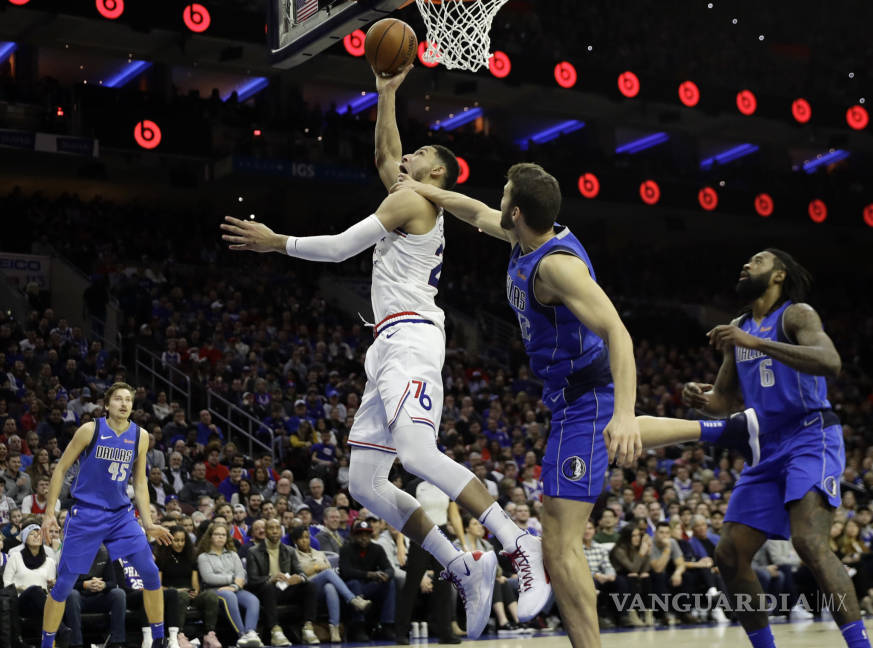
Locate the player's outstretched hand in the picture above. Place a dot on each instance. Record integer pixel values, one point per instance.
(696, 395)
(405, 181)
(623, 442)
(251, 235)
(391, 82)
(49, 524)
(159, 534)
(725, 336)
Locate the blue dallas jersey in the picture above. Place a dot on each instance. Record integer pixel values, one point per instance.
(778, 393)
(106, 466)
(557, 343)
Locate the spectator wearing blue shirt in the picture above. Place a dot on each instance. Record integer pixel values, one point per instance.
(229, 486)
(206, 428)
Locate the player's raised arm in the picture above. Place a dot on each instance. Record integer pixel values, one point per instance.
(469, 210)
(564, 278)
(81, 440)
(389, 149)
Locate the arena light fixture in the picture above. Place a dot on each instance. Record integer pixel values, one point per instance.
(248, 89)
(728, 156)
(643, 143)
(127, 74)
(6, 50)
(456, 120)
(551, 133)
(360, 104)
(810, 166)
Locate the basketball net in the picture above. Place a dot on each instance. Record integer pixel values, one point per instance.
(458, 32)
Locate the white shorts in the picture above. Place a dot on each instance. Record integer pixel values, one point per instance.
(404, 373)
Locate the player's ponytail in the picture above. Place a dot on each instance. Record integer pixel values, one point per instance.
(798, 280)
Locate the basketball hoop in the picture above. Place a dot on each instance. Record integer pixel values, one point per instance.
(458, 31)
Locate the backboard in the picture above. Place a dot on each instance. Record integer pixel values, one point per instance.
(297, 30)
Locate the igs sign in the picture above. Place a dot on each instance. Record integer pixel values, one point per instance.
(24, 268)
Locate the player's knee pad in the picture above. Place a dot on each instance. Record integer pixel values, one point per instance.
(63, 584)
(144, 563)
(419, 455)
(369, 484)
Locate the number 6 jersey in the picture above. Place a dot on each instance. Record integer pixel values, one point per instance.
(106, 466)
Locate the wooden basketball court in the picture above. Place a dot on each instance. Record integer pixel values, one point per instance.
(798, 634)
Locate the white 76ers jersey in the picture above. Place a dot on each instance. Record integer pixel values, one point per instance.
(406, 272)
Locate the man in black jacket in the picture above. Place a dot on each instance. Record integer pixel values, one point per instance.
(98, 591)
(365, 568)
(270, 563)
(197, 486)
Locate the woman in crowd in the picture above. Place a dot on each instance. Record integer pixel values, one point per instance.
(261, 483)
(242, 496)
(162, 408)
(222, 570)
(178, 569)
(32, 573)
(41, 466)
(630, 557)
(854, 553)
(331, 587)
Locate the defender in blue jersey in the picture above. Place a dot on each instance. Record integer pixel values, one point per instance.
(109, 450)
(581, 350)
(776, 359)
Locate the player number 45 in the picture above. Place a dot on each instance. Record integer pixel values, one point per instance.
(118, 471)
(768, 378)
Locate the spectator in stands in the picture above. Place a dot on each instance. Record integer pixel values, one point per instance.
(257, 533)
(197, 486)
(630, 557)
(36, 502)
(667, 567)
(207, 430)
(242, 496)
(261, 483)
(606, 527)
(368, 573)
(18, 483)
(178, 570)
(317, 500)
(229, 486)
(131, 583)
(270, 563)
(855, 553)
(177, 429)
(286, 488)
(176, 474)
(221, 569)
(239, 529)
(98, 591)
(215, 471)
(32, 573)
(12, 528)
(159, 490)
(604, 577)
(331, 538)
(524, 520)
(7, 505)
(161, 408)
(155, 456)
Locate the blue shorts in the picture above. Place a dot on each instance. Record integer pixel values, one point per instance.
(794, 460)
(87, 527)
(576, 460)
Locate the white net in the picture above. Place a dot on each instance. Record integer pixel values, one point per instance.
(457, 32)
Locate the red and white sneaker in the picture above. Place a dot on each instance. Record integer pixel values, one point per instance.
(534, 588)
(473, 575)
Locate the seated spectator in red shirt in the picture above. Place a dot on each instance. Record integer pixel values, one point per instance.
(215, 471)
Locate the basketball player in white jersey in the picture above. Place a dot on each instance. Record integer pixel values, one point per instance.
(402, 403)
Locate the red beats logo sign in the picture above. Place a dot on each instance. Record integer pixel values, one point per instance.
(196, 17)
(746, 102)
(628, 84)
(565, 74)
(499, 64)
(801, 110)
(689, 93)
(428, 61)
(111, 9)
(147, 134)
(650, 192)
(818, 211)
(763, 205)
(589, 185)
(354, 43)
(868, 214)
(463, 170)
(857, 117)
(708, 198)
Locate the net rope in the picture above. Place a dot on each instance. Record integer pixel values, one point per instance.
(458, 32)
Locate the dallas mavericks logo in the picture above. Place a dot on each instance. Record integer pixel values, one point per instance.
(573, 468)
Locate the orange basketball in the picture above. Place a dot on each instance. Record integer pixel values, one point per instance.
(390, 46)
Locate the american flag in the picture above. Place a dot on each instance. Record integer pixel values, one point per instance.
(304, 9)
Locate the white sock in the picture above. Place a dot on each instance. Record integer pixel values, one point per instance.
(147, 632)
(495, 519)
(173, 632)
(438, 545)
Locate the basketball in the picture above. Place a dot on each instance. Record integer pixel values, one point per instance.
(390, 46)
